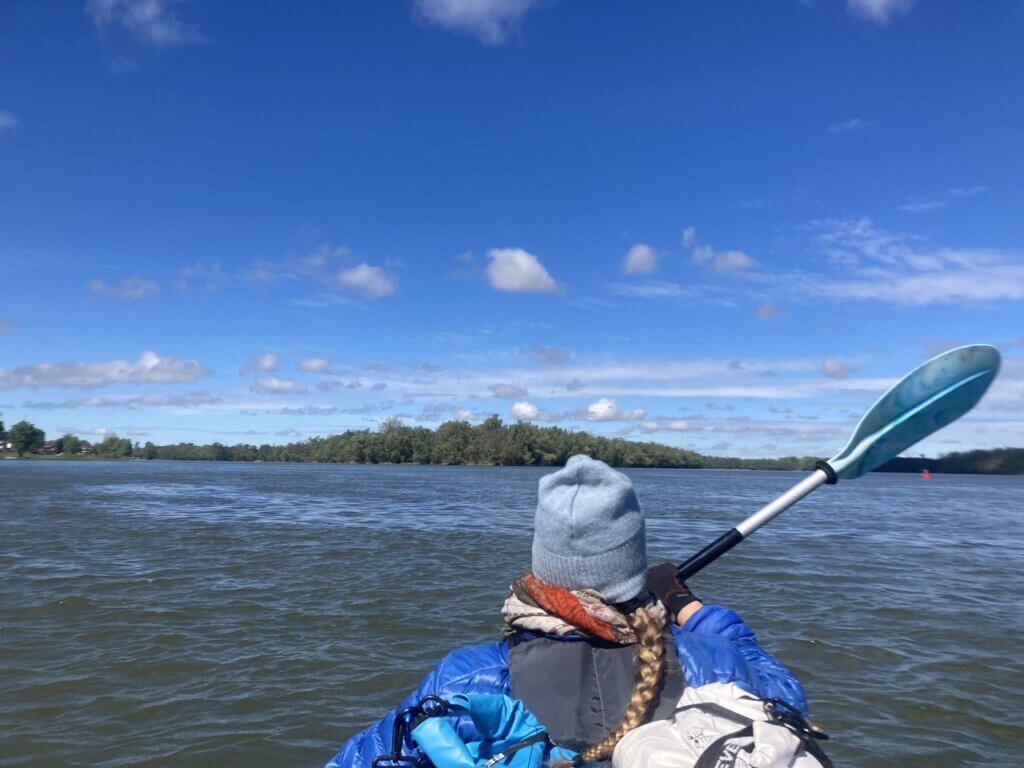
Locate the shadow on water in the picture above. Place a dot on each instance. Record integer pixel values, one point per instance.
(243, 614)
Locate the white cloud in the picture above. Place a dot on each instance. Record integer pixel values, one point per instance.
(922, 206)
(607, 409)
(315, 365)
(148, 20)
(372, 282)
(129, 288)
(523, 411)
(890, 266)
(878, 11)
(150, 367)
(490, 21)
(967, 191)
(673, 425)
(263, 363)
(846, 126)
(834, 368)
(723, 261)
(640, 260)
(717, 261)
(513, 270)
(551, 355)
(463, 414)
(653, 290)
(273, 385)
(8, 121)
(190, 400)
(507, 391)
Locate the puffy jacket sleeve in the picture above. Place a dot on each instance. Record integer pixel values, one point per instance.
(477, 669)
(773, 680)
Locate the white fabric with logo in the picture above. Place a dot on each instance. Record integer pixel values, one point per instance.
(679, 742)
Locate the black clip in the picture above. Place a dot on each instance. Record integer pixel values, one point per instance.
(786, 714)
(401, 733)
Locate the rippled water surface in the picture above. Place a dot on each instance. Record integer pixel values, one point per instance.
(194, 614)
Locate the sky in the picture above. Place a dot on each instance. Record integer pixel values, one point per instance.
(722, 226)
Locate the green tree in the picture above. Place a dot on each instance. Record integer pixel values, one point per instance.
(71, 444)
(26, 437)
(3, 432)
(114, 447)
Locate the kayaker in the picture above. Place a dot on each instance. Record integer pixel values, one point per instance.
(595, 644)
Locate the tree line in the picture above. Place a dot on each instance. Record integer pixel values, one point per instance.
(25, 437)
(491, 442)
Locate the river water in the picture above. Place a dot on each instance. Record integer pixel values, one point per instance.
(193, 614)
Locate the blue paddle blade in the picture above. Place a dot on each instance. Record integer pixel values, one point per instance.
(924, 401)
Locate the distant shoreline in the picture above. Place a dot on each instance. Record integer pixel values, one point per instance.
(490, 443)
(896, 466)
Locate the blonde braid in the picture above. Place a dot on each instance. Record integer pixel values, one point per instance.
(647, 681)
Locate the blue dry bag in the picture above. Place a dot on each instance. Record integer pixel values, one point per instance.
(509, 736)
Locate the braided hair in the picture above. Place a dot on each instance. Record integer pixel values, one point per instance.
(648, 678)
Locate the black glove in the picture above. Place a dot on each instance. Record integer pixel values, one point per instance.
(663, 580)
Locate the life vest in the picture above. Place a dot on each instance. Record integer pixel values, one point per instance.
(579, 689)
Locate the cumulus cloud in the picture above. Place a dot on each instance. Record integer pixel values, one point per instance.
(129, 288)
(878, 11)
(148, 20)
(717, 261)
(490, 21)
(607, 409)
(315, 365)
(372, 282)
(524, 411)
(514, 270)
(150, 367)
(8, 121)
(551, 355)
(464, 414)
(640, 260)
(847, 126)
(274, 385)
(723, 261)
(261, 363)
(508, 391)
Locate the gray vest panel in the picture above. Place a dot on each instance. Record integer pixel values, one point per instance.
(579, 691)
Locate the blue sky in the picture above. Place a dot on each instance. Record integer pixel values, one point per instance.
(725, 226)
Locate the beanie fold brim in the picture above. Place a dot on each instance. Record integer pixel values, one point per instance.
(618, 574)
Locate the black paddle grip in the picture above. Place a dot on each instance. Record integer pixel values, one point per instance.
(710, 553)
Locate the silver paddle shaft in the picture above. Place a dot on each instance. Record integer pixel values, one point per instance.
(774, 508)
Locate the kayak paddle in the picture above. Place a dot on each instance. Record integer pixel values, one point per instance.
(928, 398)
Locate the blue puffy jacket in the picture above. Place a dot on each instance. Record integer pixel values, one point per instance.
(715, 645)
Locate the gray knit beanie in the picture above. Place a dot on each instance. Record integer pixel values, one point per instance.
(589, 531)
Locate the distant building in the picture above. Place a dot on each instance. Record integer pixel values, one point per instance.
(48, 448)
